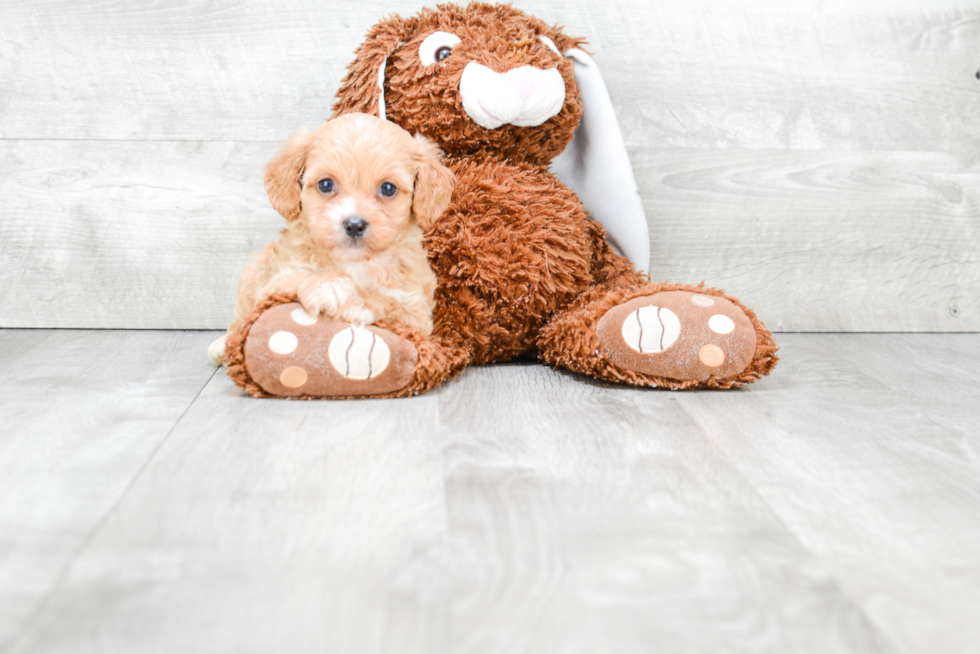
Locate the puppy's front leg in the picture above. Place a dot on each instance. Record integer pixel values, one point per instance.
(336, 297)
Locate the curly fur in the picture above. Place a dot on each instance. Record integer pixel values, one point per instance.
(426, 100)
(383, 274)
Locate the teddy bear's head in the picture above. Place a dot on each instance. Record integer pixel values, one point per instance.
(480, 80)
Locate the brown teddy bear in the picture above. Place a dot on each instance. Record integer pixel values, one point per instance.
(522, 269)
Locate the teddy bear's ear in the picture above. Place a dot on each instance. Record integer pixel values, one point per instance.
(595, 165)
(284, 176)
(362, 90)
(433, 184)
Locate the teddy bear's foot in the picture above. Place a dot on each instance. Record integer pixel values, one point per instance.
(662, 335)
(679, 335)
(280, 350)
(290, 353)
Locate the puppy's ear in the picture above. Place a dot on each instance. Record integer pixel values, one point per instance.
(284, 176)
(362, 90)
(433, 184)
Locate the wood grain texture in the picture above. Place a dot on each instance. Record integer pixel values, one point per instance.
(828, 508)
(591, 518)
(805, 75)
(822, 241)
(129, 234)
(710, 73)
(816, 159)
(154, 234)
(883, 430)
(82, 413)
(270, 526)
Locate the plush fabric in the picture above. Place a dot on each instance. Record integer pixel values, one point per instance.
(595, 165)
(433, 362)
(522, 268)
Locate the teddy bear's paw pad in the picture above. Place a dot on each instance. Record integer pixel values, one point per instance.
(678, 335)
(359, 353)
(289, 352)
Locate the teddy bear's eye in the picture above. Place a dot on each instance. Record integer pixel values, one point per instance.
(325, 185)
(436, 47)
(388, 189)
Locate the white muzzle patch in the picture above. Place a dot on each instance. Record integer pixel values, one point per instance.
(341, 210)
(525, 96)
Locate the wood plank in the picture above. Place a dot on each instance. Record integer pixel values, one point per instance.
(788, 152)
(805, 75)
(867, 450)
(82, 413)
(822, 241)
(269, 526)
(177, 71)
(154, 234)
(516, 509)
(703, 74)
(129, 234)
(587, 517)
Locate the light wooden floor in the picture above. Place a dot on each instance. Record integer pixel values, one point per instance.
(145, 506)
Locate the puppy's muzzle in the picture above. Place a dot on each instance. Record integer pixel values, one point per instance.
(355, 226)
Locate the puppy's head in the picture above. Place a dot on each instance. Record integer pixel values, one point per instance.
(358, 182)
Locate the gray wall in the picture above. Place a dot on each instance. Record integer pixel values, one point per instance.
(820, 160)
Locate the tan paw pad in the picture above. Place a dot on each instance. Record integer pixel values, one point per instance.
(293, 377)
(711, 355)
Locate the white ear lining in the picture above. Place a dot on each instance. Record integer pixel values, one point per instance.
(381, 87)
(596, 166)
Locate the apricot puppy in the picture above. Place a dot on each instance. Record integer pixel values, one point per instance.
(356, 193)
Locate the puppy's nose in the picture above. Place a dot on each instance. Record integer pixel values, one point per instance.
(355, 226)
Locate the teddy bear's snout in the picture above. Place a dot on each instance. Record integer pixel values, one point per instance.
(524, 96)
(524, 81)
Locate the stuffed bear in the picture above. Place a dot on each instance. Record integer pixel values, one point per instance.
(523, 269)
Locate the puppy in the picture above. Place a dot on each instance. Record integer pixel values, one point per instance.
(356, 193)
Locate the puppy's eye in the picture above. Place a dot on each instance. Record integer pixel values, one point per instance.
(436, 47)
(325, 185)
(388, 189)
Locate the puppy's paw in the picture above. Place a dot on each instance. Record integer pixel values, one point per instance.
(357, 313)
(217, 350)
(327, 297)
